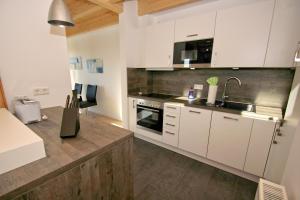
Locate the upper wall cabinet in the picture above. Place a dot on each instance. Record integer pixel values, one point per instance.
(241, 35)
(195, 27)
(285, 33)
(159, 45)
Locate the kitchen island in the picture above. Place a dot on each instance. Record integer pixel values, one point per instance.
(97, 164)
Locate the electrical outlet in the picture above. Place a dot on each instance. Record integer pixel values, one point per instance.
(20, 97)
(198, 86)
(40, 91)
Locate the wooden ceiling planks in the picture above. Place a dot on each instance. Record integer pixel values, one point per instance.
(93, 14)
(151, 6)
(89, 16)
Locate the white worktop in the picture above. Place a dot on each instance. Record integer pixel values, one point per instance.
(18, 144)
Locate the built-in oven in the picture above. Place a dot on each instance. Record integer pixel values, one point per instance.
(195, 53)
(150, 115)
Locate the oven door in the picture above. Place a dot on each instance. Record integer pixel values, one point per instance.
(193, 53)
(150, 118)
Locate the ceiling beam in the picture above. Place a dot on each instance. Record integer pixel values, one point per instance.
(151, 6)
(106, 4)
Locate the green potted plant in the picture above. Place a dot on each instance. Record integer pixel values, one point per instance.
(212, 90)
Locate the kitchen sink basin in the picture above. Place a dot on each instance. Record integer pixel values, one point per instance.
(236, 106)
(229, 105)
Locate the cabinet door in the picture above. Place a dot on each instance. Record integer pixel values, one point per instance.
(159, 45)
(284, 34)
(194, 130)
(229, 139)
(195, 27)
(259, 146)
(132, 113)
(241, 35)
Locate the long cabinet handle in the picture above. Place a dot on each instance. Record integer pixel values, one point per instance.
(170, 132)
(192, 35)
(197, 112)
(171, 116)
(133, 104)
(230, 118)
(170, 107)
(170, 124)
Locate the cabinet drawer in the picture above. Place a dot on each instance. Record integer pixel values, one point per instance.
(170, 137)
(171, 118)
(172, 109)
(171, 127)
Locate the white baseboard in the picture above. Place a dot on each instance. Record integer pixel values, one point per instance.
(199, 158)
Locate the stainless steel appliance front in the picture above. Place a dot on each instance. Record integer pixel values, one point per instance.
(150, 115)
(193, 54)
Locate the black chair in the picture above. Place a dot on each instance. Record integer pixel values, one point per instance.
(78, 88)
(91, 93)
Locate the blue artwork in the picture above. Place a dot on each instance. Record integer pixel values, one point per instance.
(94, 65)
(75, 63)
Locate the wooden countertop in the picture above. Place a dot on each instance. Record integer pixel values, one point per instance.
(96, 135)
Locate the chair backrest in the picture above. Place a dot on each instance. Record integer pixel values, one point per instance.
(78, 88)
(91, 93)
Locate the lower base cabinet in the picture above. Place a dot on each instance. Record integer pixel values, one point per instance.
(259, 147)
(194, 130)
(171, 123)
(105, 177)
(229, 139)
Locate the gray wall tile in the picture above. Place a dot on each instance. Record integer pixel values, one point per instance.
(268, 87)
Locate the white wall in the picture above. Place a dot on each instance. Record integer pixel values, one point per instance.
(30, 55)
(102, 43)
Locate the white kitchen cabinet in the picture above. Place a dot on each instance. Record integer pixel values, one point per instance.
(132, 113)
(241, 35)
(285, 33)
(171, 123)
(259, 147)
(195, 27)
(159, 45)
(229, 139)
(194, 130)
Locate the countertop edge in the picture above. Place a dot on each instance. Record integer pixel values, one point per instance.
(225, 110)
(19, 191)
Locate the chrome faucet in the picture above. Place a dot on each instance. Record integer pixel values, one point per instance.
(224, 96)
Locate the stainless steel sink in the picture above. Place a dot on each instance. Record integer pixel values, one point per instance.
(237, 106)
(229, 105)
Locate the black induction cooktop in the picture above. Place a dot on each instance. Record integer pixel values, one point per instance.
(159, 96)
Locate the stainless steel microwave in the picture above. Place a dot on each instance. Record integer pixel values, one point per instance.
(193, 54)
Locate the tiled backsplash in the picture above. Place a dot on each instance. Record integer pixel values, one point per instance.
(268, 87)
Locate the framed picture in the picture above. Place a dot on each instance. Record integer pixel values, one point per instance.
(75, 63)
(94, 65)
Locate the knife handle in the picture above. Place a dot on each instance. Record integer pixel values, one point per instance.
(68, 101)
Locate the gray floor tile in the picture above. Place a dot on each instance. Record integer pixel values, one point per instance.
(160, 174)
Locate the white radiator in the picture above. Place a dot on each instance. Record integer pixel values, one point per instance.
(267, 190)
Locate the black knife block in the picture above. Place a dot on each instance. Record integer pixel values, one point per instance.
(70, 123)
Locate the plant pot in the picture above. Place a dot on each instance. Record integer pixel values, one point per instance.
(212, 94)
